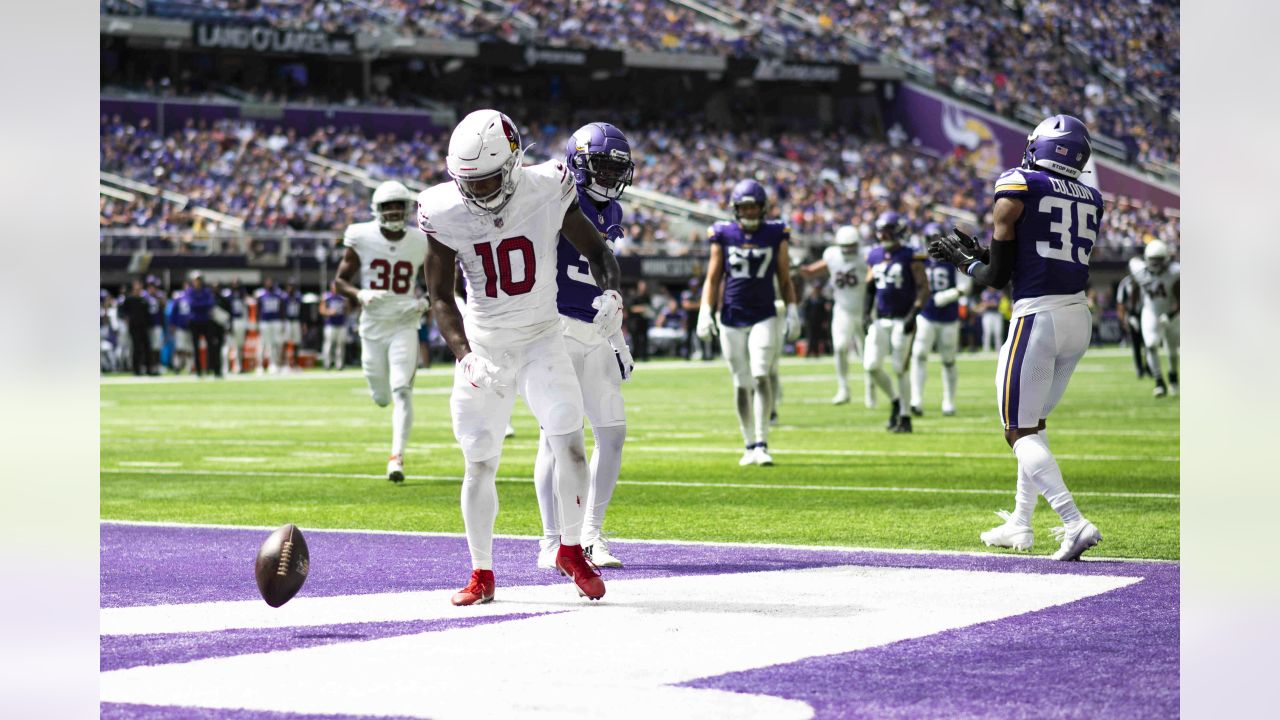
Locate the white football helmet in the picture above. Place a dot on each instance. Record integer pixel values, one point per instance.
(385, 200)
(1136, 265)
(847, 237)
(486, 160)
(1157, 256)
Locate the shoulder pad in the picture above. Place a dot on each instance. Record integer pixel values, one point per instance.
(1012, 179)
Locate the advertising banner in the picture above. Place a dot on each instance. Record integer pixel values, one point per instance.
(945, 124)
(264, 39)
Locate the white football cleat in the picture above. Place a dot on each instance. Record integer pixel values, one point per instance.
(748, 458)
(761, 456)
(511, 431)
(1159, 391)
(1010, 534)
(597, 551)
(1076, 539)
(395, 469)
(841, 398)
(547, 551)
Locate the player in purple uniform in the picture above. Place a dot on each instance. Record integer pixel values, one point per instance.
(938, 328)
(333, 308)
(897, 291)
(270, 303)
(179, 323)
(747, 255)
(599, 155)
(1046, 225)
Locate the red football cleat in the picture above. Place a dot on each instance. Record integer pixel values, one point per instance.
(478, 591)
(571, 562)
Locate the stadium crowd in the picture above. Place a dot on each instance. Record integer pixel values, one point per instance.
(1040, 54)
(818, 181)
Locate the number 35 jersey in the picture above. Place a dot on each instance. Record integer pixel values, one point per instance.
(391, 265)
(578, 287)
(508, 258)
(1056, 235)
(750, 267)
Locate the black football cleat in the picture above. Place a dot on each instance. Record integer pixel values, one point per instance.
(894, 412)
(903, 426)
(917, 411)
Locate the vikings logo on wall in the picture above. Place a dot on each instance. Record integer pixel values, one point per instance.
(974, 135)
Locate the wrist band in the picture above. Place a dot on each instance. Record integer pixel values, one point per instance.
(972, 268)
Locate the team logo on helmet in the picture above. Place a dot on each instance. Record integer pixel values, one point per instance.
(513, 136)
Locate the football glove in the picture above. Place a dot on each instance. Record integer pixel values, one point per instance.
(706, 324)
(483, 374)
(909, 323)
(369, 298)
(958, 249)
(626, 363)
(791, 331)
(608, 319)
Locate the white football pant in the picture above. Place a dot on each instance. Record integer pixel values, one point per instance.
(751, 353)
(389, 365)
(1156, 334)
(270, 344)
(886, 339)
(846, 336)
(945, 338)
(333, 352)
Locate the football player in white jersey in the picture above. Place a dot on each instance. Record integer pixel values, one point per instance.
(388, 255)
(847, 267)
(1160, 320)
(502, 222)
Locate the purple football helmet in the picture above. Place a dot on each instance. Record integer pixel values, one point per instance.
(748, 192)
(1060, 144)
(890, 227)
(932, 230)
(600, 157)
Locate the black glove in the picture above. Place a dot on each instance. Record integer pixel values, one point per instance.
(969, 243)
(909, 323)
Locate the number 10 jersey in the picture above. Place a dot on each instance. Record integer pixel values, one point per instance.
(391, 265)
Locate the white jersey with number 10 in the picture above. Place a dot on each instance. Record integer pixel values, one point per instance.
(391, 265)
(508, 258)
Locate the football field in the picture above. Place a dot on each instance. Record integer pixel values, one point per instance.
(311, 449)
(845, 581)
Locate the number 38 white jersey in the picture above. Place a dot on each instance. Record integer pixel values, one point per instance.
(848, 277)
(391, 265)
(509, 258)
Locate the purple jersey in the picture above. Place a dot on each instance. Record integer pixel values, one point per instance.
(235, 301)
(155, 309)
(201, 302)
(750, 267)
(180, 311)
(941, 276)
(1056, 234)
(292, 305)
(576, 288)
(895, 285)
(270, 304)
(338, 306)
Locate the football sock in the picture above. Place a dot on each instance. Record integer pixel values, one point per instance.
(571, 483)
(1153, 364)
(882, 381)
(544, 468)
(479, 510)
(1042, 469)
(904, 388)
(401, 419)
(918, 366)
(868, 389)
(842, 369)
(763, 406)
(775, 384)
(1026, 495)
(949, 374)
(606, 463)
(1173, 365)
(746, 421)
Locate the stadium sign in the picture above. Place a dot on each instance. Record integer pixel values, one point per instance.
(779, 70)
(263, 39)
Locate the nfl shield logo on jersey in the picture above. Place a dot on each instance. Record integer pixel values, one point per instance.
(497, 222)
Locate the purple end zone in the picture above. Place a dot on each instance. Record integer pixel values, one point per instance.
(129, 711)
(1109, 655)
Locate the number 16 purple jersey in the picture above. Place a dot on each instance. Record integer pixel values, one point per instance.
(1056, 234)
(576, 287)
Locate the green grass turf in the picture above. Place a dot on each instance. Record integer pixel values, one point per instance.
(312, 449)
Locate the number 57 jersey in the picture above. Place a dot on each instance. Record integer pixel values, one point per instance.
(1055, 236)
(390, 265)
(750, 268)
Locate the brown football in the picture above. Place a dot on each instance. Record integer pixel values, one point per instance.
(282, 565)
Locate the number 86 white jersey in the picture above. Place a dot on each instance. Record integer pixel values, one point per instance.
(507, 258)
(391, 265)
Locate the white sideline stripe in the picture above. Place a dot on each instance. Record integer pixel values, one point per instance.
(447, 371)
(645, 541)
(148, 464)
(676, 450)
(659, 483)
(245, 460)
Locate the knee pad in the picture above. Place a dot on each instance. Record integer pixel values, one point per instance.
(380, 398)
(564, 418)
(479, 447)
(613, 435)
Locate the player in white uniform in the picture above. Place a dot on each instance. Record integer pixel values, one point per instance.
(1161, 298)
(844, 263)
(502, 221)
(388, 255)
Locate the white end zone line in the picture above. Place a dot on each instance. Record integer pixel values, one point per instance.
(659, 483)
(646, 541)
